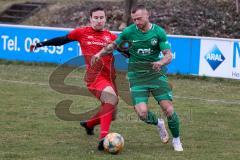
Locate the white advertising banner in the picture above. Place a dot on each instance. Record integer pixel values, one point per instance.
(220, 58)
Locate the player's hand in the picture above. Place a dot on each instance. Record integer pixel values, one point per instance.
(33, 47)
(123, 48)
(94, 59)
(157, 65)
(125, 54)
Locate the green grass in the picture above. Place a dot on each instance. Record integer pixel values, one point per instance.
(31, 130)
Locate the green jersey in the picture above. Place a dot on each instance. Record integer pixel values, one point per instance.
(145, 48)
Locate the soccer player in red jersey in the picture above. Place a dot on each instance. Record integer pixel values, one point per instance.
(100, 77)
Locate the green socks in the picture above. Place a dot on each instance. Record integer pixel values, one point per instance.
(151, 118)
(173, 124)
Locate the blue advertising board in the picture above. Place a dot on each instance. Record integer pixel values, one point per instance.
(15, 43)
(189, 53)
(183, 60)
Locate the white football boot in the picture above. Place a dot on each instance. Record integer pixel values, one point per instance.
(177, 145)
(162, 131)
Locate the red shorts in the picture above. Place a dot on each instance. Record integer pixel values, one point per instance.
(99, 84)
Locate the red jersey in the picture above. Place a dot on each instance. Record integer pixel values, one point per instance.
(91, 42)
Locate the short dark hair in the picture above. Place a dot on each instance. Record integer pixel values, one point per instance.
(138, 7)
(96, 9)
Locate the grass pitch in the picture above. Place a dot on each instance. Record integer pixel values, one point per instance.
(209, 110)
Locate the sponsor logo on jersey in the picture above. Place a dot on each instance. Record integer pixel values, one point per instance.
(96, 43)
(214, 57)
(145, 51)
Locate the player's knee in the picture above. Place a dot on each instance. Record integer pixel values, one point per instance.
(112, 100)
(169, 111)
(142, 114)
(141, 110)
(109, 96)
(167, 107)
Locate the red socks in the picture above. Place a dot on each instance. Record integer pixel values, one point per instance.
(94, 120)
(104, 117)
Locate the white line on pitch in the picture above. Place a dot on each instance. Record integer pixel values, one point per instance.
(23, 82)
(224, 101)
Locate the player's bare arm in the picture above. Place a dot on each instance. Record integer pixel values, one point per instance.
(164, 61)
(105, 51)
(108, 49)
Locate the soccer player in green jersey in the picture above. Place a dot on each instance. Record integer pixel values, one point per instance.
(146, 73)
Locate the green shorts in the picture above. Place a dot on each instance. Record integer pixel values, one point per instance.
(158, 87)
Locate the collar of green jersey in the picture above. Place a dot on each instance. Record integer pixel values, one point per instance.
(150, 28)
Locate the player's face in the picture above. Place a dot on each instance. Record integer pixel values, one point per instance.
(98, 20)
(141, 18)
